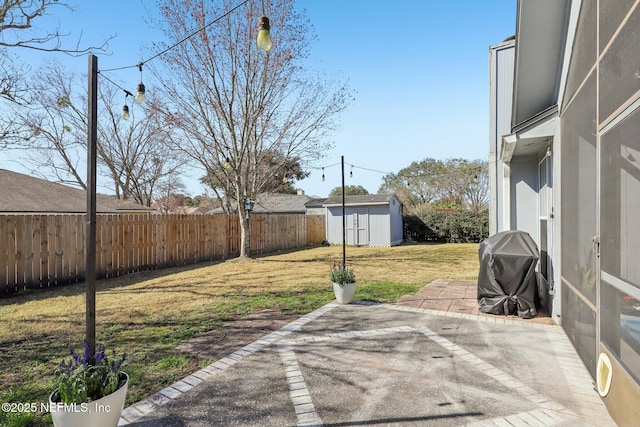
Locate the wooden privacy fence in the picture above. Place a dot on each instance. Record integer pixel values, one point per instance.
(39, 251)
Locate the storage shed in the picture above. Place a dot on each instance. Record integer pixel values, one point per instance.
(372, 220)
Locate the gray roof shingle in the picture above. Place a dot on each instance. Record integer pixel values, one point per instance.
(22, 193)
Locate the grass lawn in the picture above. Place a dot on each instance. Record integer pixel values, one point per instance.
(147, 315)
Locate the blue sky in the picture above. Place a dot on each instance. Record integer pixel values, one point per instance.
(418, 68)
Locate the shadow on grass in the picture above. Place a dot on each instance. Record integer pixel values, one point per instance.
(78, 288)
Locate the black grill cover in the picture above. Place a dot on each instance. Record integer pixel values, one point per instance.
(507, 279)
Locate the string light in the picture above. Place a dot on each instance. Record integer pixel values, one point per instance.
(352, 167)
(125, 112)
(264, 36)
(139, 98)
(141, 90)
(125, 107)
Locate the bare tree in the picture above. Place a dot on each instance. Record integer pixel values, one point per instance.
(18, 29)
(171, 192)
(53, 126)
(133, 154)
(234, 105)
(288, 171)
(477, 192)
(12, 86)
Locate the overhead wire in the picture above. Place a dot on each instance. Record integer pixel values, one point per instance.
(465, 171)
(173, 46)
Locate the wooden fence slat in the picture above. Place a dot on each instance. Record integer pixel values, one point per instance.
(51, 249)
(80, 246)
(101, 248)
(44, 252)
(122, 250)
(59, 249)
(20, 267)
(133, 229)
(172, 234)
(35, 281)
(11, 253)
(144, 232)
(106, 246)
(4, 282)
(27, 233)
(69, 235)
(129, 242)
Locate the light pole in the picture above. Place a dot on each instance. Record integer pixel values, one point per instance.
(90, 224)
(344, 221)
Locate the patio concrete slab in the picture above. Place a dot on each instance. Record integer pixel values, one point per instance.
(368, 364)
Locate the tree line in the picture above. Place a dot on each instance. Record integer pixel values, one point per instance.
(452, 184)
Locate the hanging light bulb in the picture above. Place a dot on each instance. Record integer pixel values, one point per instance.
(139, 98)
(264, 37)
(227, 163)
(125, 108)
(140, 94)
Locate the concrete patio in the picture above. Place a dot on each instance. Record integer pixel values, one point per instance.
(397, 365)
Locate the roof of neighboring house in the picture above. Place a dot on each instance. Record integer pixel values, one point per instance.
(26, 194)
(284, 203)
(367, 199)
(315, 202)
(277, 203)
(190, 210)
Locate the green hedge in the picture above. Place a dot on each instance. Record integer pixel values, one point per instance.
(451, 226)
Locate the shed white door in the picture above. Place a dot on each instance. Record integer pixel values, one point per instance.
(357, 227)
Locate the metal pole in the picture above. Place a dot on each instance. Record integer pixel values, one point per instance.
(90, 225)
(344, 222)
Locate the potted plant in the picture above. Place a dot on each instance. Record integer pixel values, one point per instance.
(344, 282)
(89, 391)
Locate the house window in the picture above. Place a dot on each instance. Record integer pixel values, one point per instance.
(543, 187)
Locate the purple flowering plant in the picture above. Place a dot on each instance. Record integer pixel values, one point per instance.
(79, 380)
(341, 274)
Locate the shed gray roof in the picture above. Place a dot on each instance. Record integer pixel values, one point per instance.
(367, 199)
(20, 193)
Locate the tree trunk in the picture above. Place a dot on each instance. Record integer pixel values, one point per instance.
(245, 239)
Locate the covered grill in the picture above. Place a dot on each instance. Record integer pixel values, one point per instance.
(507, 282)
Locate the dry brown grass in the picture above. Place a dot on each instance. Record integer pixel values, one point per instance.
(133, 298)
